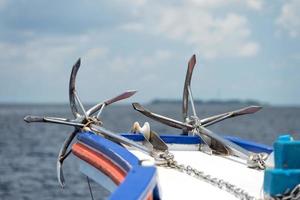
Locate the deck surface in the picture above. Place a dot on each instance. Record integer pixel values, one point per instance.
(177, 185)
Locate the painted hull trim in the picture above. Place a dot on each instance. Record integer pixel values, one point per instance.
(120, 165)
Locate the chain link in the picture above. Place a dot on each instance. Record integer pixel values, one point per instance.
(220, 183)
(240, 193)
(293, 194)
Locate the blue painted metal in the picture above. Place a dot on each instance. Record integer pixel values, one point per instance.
(175, 139)
(145, 176)
(286, 174)
(278, 181)
(183, 139)
(119, 155)
(250, 146)
(287, 153)
(139, 182)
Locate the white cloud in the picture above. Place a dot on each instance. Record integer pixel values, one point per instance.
(255, 4)
(138, 2)
(249, 4)
(198, 24)
(44, 59)
(120, 64)
(249, 49)
(162, 54)
(96, 52)
(40, 52)
(54, 54)
(132, 26)
(212, 3)
(128, 64)
(289, 19)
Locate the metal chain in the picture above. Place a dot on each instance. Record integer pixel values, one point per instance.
(220, 183)
(240, 193)
(293, 194)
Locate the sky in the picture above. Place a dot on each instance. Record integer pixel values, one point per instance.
(245, 49)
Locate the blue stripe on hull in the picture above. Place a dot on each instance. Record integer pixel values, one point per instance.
(146, 176)
(140, 181)
(119, 155)
(183, 139)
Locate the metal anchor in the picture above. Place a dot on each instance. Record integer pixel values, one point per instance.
(194, 124)
(85, 121)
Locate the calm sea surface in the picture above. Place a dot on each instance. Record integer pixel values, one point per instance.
(28, 151)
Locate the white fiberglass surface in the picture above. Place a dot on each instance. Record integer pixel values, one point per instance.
(177, 185)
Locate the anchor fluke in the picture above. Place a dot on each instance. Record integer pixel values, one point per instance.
(62, 155)
(165, 120)
(220, 117)
(157, 142)
(72, 88)
(100, 106)
(247, 110)
(187, 85)
(30, 118)
(122, 96)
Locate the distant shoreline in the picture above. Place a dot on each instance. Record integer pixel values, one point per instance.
(176, 102)
(210, 102)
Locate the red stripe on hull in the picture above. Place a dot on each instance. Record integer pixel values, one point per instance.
(100, 162)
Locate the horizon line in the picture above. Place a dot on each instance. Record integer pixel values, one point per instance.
(163, 101)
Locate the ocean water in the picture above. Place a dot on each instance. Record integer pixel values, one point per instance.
(28, 152)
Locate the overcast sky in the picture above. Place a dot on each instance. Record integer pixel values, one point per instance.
(246, 49)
